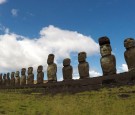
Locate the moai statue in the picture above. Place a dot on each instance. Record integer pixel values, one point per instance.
(83, 66)
(129, 54)
(108, 61)
(12, 81)
(17, 78)
(1, 79)
(4, 80)
(30, 78)
(23, 76)
(8, 79)
(40, 75)
(67, 69)
(51, 69)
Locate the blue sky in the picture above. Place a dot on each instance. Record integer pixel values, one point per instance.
(90, 18)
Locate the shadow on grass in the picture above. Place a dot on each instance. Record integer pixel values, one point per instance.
(2, 112)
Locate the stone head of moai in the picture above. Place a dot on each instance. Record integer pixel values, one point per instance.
(50, 59)
(8, 74)
(4, 79)
(40, 75)
(105, 47)
(23, 76)
(17, 74)
(12, 82)
(83, 66)
(17, 79)
(82, 57)
(129, 43)
(66, 62)
(12, 74)
(30, 78)
(1, 76)
(23, 71)
(108, 61)
(8, 79)
(30, 70)
(4, 76)
(67, 69)
(40, 68)
(51, 69)
(129, 54)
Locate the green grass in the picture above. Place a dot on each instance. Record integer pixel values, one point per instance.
(106, 101)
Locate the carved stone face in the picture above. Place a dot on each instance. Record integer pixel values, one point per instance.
(4, 76)
(66, 62)
(30, 70)
(82, 56)
(129, 42)
(8, 75)
(17, 73)
(40, 68)
(105, 50)
(23, 71)
(12, 74)
(0, 76)
(50, 59)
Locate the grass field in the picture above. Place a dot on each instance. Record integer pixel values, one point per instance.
(106, 101)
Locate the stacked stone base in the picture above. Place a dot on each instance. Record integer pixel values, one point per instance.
(74, 86)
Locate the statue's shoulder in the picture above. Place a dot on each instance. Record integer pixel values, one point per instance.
(54, 64)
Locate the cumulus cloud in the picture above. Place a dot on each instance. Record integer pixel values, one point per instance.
(94, 73)
(63, 42)
(2, 1)
(18, 51)
(123, 68)
(14, 12)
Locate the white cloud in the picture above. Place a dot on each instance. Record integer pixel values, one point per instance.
(94, 73)
(18, 51)
(14, 12)
(4, 29)
(2, 1)
(123, 68)
(63, 42)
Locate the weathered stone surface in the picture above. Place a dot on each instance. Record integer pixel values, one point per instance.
(83, 66)
(12, 81)
(8, 79)
(51, 69)
(1, 79)
(129, 54)
(67, 69)
(17, 78)
(23, 76)
(30, 78)
(108, 61)
(4, 79)
(108, 64)
(40, 75)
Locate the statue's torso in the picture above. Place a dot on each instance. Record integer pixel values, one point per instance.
(83, 70)
(67, 72)
(108, 64)
(130, 58)
(51, 71)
